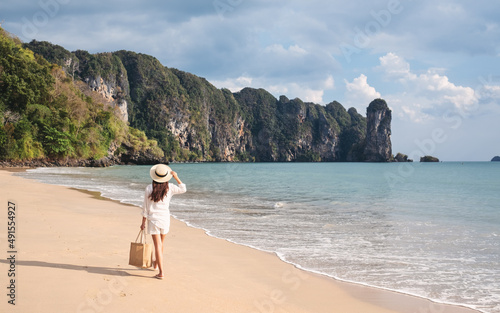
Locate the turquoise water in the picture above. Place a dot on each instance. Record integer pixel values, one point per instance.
(427, 229)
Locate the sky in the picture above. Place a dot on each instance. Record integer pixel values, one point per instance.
(436, 63)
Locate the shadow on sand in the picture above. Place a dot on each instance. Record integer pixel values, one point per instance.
(117, 271)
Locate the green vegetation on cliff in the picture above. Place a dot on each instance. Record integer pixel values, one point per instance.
(44, 114)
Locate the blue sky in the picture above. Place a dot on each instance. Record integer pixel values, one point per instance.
(436, 63)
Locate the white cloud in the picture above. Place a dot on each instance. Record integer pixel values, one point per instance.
(294, 50)
(329, 82)
(291, 90)
(453, 10)
(278, 49)
(278, 89)
(359, 93)
(294, 90)
(427, 101)
(234, 85)
(489, 92)
(489, 96)
(414, 113)
(394, 66)
(360, 85)
(440, 88)
(432, 91)
(311, 95)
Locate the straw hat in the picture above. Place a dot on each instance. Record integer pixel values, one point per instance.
(160, 173)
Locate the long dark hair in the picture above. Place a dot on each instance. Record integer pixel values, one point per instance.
(159, 191)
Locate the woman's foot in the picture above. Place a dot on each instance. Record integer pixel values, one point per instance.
(158, 276)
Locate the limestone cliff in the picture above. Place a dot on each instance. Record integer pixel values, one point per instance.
(378, 133)
(110, 92)
(193, 120)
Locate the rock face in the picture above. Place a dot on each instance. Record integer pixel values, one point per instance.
(110, 92)
(429, 158)
(378, 134)
(402, 158)
(109, 78)
(193, 120)
(496, 159)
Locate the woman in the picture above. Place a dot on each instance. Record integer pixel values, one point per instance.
(155, 208)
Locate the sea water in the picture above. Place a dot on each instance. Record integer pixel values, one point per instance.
(426, 229)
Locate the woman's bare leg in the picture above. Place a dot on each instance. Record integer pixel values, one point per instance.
(162, 241)
(155, 263)
(157, 240)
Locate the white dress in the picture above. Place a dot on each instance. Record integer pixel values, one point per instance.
(158, 213)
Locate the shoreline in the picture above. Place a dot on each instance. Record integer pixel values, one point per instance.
(251, 280)
(434, 302)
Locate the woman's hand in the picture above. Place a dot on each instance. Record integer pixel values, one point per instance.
(143, 226)
(174, 175)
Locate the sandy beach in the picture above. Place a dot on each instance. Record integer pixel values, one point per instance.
(70, 254)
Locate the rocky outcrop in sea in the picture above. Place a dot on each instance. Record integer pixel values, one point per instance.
(378, 133)
(428, 158)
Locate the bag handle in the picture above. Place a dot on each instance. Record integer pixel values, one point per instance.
(142, 235)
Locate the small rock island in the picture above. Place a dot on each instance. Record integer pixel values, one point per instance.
(428, 158)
